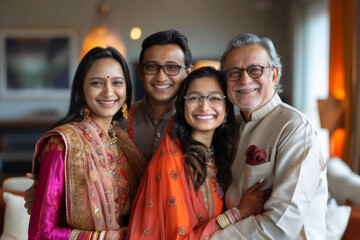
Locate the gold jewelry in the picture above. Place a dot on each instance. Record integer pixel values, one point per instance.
(124, 110)
(224, 121)
(210, 157)
(86, 113)
(113, 137)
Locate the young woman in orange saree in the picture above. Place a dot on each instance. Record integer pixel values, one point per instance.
(182, 191)
(89, 169)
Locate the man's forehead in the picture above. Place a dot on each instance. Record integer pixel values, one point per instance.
(164, 53)
(247, 55)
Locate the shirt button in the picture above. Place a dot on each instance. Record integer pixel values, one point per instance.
(155, 123)
(158, 134)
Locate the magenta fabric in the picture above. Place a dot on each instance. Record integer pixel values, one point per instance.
(48, 200)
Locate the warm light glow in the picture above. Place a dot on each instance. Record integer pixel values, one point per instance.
(337, 143)
(337, 84)
(135, 33)
(202, 63)
(102, 36)
(336, 61)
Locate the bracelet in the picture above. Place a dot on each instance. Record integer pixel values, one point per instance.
(236, 213)
(222, 222)
(102, 235)
(230, 216)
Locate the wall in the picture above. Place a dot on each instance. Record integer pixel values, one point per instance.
(208, 24)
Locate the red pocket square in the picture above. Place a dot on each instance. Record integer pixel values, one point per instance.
(255, 156)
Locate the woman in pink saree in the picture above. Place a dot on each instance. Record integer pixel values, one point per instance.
(89, 169)
(181, 194)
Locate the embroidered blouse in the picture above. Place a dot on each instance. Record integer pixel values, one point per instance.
(55, 215)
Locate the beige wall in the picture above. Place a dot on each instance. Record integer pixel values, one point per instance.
(208, 24)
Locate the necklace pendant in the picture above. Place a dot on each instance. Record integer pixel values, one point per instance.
(113, 137)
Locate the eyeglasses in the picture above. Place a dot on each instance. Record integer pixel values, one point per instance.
(215, 100)
(169, 69)
(254, 71)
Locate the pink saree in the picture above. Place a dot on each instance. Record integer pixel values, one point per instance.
(82, 185)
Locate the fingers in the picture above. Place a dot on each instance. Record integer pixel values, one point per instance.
(32, 176)
(28, 207)
(256, 186)
(267, 192)
(30, 196)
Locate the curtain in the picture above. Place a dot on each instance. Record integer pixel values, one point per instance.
(342, 77)
(354, 139)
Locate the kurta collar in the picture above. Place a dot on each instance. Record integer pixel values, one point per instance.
(266, 109)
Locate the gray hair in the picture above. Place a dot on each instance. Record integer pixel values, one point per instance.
(247, 39)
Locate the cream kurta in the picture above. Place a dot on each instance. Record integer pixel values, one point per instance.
(294, 168)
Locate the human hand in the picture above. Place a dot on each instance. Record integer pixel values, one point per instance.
(30, 193)
(252, 201)
(116, 234)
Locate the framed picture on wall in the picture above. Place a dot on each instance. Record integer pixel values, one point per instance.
(37, 63)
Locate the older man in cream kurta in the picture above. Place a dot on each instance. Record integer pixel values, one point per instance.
(278, 144)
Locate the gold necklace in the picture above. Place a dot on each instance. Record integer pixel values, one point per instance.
(113, 137)
(210, 159)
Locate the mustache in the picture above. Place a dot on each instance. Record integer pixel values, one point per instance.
(242, 88)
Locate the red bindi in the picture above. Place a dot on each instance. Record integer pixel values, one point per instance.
(108, 76)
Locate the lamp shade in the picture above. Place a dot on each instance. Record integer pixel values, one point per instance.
(102, 36)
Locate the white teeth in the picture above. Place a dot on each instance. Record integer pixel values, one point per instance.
(205, 117)
(247, 91)
(162, 86)
(107, 102)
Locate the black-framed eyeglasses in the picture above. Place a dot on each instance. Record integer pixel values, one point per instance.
(215, 100)
(154, 68)
(254, 71)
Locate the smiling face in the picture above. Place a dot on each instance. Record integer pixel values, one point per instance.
(104, 89)
(247, 93)
(162, 88)
(204, 119)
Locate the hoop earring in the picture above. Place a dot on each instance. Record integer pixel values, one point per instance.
(86, 113)
(223, 124)
(124, 110)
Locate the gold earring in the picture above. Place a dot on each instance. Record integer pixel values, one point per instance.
(86, 113)
(223, 124)
(124, 110)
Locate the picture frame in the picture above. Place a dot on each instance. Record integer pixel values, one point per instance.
(37, 63)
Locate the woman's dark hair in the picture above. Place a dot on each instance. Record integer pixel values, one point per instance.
(195, 152)
(76, 108)
(171, 36)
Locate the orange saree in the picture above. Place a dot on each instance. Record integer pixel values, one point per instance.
(166, 205)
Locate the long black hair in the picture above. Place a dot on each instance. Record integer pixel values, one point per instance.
(76, 108)
(195, 152)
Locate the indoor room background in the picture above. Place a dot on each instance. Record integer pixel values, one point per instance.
(300, 30)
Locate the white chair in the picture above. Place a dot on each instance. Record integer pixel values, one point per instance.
(343, 182)
(17, 183)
